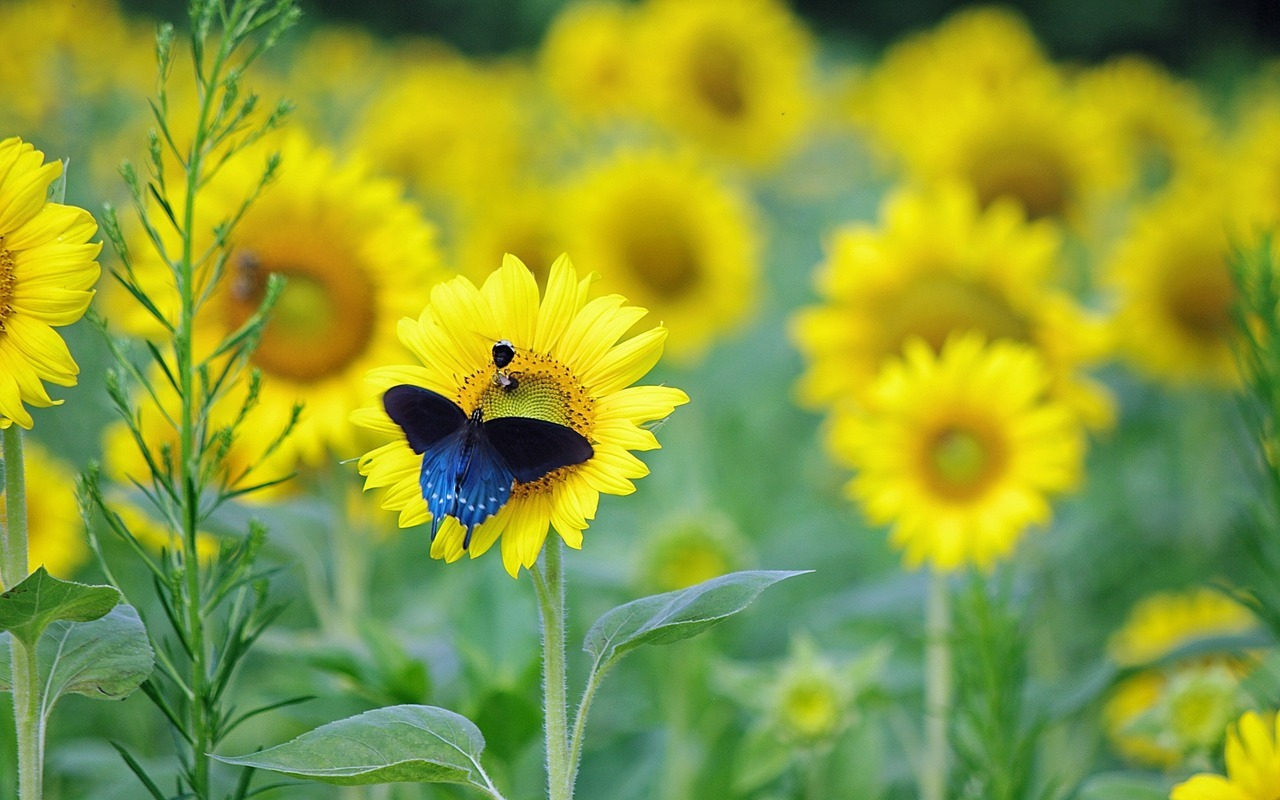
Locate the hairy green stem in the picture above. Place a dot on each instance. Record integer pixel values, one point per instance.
(580, 720)
(937, 690)
(28, 722)
(548, 581)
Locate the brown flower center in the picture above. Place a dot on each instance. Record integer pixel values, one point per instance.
(717, 74)
(323, 320)
(1023, 171)
(533, 385)
(934, 308)
(1198, 295)
(961, 460)
(659, 253)
(8, 283)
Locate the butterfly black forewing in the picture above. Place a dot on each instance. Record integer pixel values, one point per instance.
(424, 416)
(534, 447)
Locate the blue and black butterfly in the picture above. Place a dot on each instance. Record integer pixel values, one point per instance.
(469, 463)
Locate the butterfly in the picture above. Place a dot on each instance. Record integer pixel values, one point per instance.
(470, 464)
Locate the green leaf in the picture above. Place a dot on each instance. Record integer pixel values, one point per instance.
(673, 616)
(107, 658)
(40, 599)
(1124, 786)
(422, 744)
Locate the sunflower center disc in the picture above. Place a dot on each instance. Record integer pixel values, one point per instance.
(717, 77)
(1199, 298)
(934, 309)
(960, 461)
(8, 278)
(322, 321)
(662, 257)
(1030, 175)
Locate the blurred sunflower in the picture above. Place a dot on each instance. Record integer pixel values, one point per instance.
(572, 371)
(692, 549)
(1253, 764)
(1163, 715)
(586, 58)
(980, 50)
(1255, 156)
(662, 229)
(1174, 289)
(333, 77)
(466, 130)
(959, 450)
(938, 264)
(1161, 123)
(47, 271)
(526, 220)
(55, 537)
(732, 77)
(354, 255)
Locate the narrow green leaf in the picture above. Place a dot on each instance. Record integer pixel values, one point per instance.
(421, 744)
(673, 616)
(107, 658)
(1124, 786)
(40, 599)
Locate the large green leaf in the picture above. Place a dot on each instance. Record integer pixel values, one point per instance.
(1124, 786)
(673, 616)
(422, 744)
(107, 658)
(40, 599)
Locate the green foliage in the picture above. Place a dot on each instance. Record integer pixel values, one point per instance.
(421, 744)
(675, 616)
(106, 658)
(41, 599)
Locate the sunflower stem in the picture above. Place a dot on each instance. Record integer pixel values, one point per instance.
(548, 581)
(937, 690)
(28, 723)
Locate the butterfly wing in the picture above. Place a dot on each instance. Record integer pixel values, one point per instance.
(465, 478)
(425, 417)
(534, 447)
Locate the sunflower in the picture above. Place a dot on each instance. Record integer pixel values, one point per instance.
(733, 77)
(1255, 157)
(466, 130)
(1160, 123)
(526, 220)
(55, 536)
(1163, 713)
(586, 58)
(354, 256)
(1173, 287)
(572, 371)
(47, 271)
(664, 230)
(981, 51)
(959, 450)
(1253, 764)
(939, 264)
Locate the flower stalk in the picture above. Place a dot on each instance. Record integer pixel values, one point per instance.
(937, 690)
(548, 581)
(28, 722)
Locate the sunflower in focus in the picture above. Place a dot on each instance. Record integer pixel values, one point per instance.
(47, 273)
(665, 231)
(1161, 715)
(733, 77)
(586, 58)
(465, 132)
(1174, 289)
(354, 256)
(55, 534)
(936, 265)
(573, 371)
(1253, 764)
(1162, 125)
(959, 450)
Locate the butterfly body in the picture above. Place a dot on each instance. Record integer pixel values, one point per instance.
(469, 464)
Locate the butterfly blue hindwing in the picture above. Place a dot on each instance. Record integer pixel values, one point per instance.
(534, 447)
(469, 464)
(424, 416)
